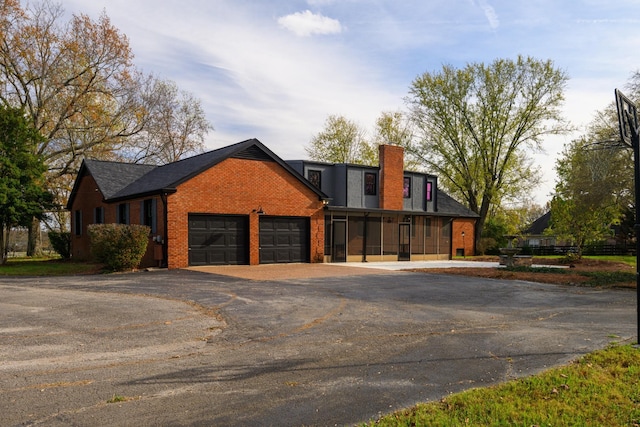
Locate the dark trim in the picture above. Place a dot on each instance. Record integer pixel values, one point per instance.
(146, 194)
(403, 212)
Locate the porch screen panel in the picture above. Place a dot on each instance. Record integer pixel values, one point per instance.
(431, 235)
(390, 235)
(356, 235)
(374, 236)
(444, 246)
(417, 235)
(327, 235)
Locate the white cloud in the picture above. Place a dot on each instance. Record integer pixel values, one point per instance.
(489, 13)
(306, 23)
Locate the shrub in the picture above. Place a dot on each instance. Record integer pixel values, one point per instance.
(120, 247)
(487, 245)
(61, 243)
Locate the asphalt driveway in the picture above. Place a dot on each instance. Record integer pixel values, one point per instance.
(193, 348)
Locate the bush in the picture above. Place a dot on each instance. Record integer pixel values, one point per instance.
(487, 245)
(120, 247)
(61, 243)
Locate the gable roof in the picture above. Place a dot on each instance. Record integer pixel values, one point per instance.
(120, 181)
(447, 205)
(538, 226)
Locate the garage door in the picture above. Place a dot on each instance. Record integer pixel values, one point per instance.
(284, 239)
(218, 239)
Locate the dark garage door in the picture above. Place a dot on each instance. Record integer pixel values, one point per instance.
(218, 239)
(284, 239)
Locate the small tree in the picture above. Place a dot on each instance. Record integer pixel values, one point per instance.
(61, 243)
(120, 247)
(341, 141)
(22, 196)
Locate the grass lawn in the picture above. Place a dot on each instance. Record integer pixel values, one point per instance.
(600, 389)
(24, 266)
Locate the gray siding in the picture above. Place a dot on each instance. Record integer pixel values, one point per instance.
(355, 189)
(339, 193)
(326, 176)
(417, 199)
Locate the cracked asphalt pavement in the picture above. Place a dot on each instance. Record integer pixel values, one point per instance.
(187, 348)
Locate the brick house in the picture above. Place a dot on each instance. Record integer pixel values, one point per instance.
(242, 204)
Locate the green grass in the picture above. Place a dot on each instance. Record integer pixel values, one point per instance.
(604, 278)
(45, 267)
(627, 259)
(600, 389)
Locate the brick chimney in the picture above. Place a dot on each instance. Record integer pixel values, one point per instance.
(391, 176)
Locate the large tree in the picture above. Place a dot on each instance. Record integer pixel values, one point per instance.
(395, 128)
(176, 126)
(591, 191)
(78, 84)
(476, 125)
(22, 195)
(595, 182)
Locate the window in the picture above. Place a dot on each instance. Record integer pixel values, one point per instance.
(148, 214)
(370, 187)
(406, 189)
(315, 177)
(77, 223)
(98, 215)
(122, 213)
(429, 192)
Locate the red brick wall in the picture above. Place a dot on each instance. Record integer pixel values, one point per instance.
(468, 225)
(87, 198)
(391, 176)
(238, 186)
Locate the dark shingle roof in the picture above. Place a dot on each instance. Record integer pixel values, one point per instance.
(447, 205)
(538, 226)
(112, 177)
(118, 181)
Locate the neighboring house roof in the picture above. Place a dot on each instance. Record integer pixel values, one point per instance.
(447, 205)
(538, 226)
(120, 181)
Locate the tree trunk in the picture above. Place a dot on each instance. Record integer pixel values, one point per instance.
(34, 241)
(483, 212)
(3, 240)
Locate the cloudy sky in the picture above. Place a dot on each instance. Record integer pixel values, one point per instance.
(275, 70)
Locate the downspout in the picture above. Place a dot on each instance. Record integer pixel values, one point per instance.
(165, 244)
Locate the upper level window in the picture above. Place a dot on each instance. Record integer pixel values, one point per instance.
(429, 192)
(406, 189)
(315, 177)
(370, 184)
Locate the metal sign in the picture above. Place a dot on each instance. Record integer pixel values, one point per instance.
(627, 117)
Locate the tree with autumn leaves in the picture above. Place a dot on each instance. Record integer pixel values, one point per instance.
(78, 85)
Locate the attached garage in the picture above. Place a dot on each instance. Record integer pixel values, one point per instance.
(284, 239)
(218, 239)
